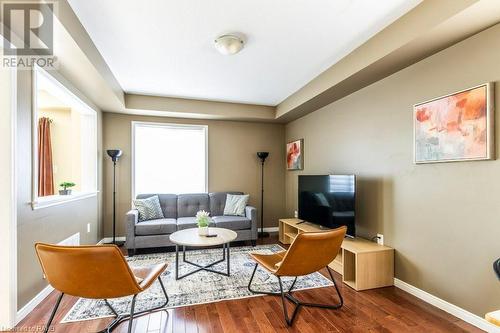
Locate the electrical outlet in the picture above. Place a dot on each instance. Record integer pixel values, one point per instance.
(380, 239)
(88, 227)
(295, 214)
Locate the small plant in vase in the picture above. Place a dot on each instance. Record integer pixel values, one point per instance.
(66, 188)
(203, 220)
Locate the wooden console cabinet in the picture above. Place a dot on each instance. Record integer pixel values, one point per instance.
(362, 264)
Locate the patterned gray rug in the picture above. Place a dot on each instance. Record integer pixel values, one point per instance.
(199, 288)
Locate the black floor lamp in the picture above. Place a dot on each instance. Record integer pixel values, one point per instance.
(114, 154)
(262, 155)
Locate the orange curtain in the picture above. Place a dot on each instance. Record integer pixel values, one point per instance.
(45, 174)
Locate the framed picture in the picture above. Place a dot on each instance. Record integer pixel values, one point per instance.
(455, 127)
(295, 155)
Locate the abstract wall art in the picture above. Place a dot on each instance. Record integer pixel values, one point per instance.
(295, 155)
(455, 127)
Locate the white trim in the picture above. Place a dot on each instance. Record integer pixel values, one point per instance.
(448, 307)
(269, 229)
(72, 240)
(110, 239)
(33, 303)
(37, 71)
(55, 200)
(13, 234)
(9, 307)
(133, 123)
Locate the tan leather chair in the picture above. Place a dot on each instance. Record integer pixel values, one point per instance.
(308, 253)
(97, 272)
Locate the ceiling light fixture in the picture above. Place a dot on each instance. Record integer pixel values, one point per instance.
(228, 44)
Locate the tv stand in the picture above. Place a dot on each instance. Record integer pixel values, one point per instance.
(363, 264)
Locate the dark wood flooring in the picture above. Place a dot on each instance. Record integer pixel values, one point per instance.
(379, 310)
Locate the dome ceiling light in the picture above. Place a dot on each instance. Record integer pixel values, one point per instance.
(229, 44)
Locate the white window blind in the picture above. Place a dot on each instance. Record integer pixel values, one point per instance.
(169, 158)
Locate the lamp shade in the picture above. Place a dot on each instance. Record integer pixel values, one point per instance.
(114, 154)
(262, 155)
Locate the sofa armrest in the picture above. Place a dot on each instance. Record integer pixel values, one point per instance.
(251, 214)
(131, 219)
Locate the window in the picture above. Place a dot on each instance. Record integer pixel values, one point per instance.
(169, 158)
(64, 142)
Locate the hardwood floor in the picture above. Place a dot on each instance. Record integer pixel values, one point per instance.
(379, 310)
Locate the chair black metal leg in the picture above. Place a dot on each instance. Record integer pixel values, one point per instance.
(58, 302)
(293, 285)
(288, 320)
(120, 318)
(336, 288)
(258, 291)
(164, 292)
(132, 308)
(288, 295)
(266, 292)
(111, 308)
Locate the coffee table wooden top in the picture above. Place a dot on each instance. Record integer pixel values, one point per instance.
(190, 237)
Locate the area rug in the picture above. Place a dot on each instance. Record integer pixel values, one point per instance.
(201, 287)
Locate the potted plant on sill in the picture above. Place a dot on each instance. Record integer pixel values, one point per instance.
(203, 220)
(66, 188)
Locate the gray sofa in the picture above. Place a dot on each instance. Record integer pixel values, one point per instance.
(179, 211)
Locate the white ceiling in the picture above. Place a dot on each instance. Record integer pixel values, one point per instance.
(165, 48)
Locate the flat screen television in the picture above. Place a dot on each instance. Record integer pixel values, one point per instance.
(328, 200)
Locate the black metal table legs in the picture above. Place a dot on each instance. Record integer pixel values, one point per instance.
(225, 257)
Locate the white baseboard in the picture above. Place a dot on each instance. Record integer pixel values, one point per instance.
(31, 305)
(448, 307)
(269, 229)
(72, 240)
(110, 239)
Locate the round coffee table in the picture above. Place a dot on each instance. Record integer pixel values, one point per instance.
(191, 238)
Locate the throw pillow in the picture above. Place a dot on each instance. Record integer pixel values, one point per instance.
(235, 204)
(149, 208)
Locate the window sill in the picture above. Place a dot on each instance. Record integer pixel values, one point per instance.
(54, 200)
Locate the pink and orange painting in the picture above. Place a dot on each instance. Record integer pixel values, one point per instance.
(295, 155)
(456, 127)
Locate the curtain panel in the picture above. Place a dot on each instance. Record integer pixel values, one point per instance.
(45, 172)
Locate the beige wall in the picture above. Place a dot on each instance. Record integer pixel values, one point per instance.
(65, 131)
(233, 164)
(51, 224)
(442, 219)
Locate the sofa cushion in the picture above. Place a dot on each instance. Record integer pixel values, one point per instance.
(168, 203)
(190, 204)
(218, 202)
(232, 222)
(156, 227)
(149, 208)
(188, 222)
